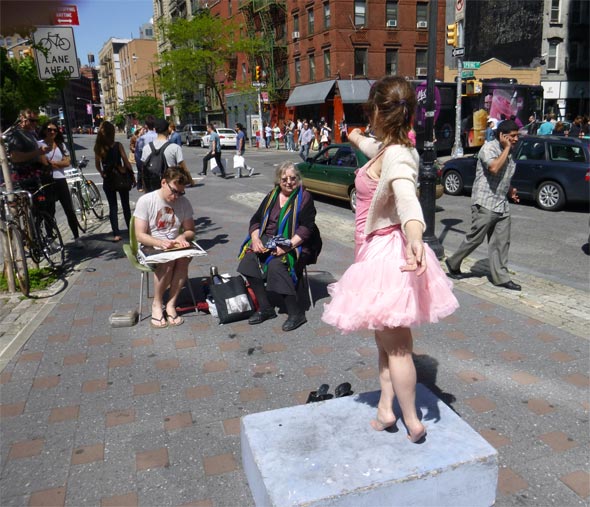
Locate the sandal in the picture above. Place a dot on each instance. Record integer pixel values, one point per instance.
(175, 320)
(160, 323)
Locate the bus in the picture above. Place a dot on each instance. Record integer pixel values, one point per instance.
(495, 99)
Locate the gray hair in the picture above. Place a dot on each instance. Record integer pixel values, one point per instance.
(283, 168)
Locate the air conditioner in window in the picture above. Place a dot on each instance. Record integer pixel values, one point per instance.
(392, 23)
(421, 71)
(422, 24)
(295, 35)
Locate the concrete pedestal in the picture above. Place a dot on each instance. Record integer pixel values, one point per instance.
(327, 454)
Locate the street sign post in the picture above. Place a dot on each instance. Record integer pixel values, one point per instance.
(458, 52)
(61, 51)
(471, 65)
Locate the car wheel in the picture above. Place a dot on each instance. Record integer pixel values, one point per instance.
(550, 196)
(352, 197)
(453, 183)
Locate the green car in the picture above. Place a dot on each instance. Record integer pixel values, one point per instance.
(331, 172)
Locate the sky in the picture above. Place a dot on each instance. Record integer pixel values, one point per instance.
(102, 19)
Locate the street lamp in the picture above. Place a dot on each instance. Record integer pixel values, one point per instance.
(91, 109)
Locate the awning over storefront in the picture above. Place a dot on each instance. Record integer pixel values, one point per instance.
(315, 93)
(354, 91)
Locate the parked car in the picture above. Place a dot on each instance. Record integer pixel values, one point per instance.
(332, 171)
(193, 134)
(227, 138)
(550, 170)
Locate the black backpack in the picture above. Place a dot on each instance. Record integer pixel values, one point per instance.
(156, 163)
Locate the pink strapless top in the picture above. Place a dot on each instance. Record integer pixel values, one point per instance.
(365, 189)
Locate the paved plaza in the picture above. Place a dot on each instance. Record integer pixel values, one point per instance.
(92, 415)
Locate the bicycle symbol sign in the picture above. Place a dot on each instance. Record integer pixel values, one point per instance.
(60, 51)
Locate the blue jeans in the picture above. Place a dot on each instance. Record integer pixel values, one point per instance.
(304, 151)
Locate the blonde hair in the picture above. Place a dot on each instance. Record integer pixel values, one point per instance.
(283, 168)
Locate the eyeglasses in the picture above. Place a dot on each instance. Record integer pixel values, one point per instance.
(288, 178)
(177, 193)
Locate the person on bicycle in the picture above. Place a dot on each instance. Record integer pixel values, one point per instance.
(25, 154)
(56, 160)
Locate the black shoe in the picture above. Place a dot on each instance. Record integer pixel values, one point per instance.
(455, 274)
(510, 285)
(202, 174)
(294, 321)
(342, 390)
(260, 317)
(320, 395)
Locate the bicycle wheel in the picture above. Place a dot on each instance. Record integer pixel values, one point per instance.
(19, 260)
(79, 209)
(27, 225)
(49, 239)
(96, 204)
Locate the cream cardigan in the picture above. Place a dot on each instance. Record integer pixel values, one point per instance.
(394, 201)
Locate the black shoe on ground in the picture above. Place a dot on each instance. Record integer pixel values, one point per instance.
(510, 285)
(455, 274)
(202, 174)
(294, 321)
(260, 317)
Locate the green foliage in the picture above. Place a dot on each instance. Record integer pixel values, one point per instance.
(119, 120)
(20, 87)
(142, 105)
(202, 49)
(39, 279)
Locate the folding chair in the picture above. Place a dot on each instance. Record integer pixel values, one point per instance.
(131, 251)
(308, 286)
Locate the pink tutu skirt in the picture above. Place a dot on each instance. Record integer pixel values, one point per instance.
(374, 293)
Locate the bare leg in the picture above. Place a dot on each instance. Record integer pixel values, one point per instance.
(397, 343)
(162, 277)
(385, 416)
(177, 281)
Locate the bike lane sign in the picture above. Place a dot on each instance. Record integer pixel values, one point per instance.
(61, 51)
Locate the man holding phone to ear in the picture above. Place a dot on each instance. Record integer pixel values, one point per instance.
(490, 215)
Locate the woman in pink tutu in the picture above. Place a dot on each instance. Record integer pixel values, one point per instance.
(396, 281)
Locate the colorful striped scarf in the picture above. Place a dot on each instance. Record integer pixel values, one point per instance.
(287, 225)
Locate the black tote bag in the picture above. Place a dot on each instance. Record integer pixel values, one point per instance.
(231, 299)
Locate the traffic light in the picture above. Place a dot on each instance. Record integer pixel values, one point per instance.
(453, 35)
(258, 73)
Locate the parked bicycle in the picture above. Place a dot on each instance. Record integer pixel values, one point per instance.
(85, 195)
(41, 236)
(12, 237)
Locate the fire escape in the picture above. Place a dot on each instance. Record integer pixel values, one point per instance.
(267, 19)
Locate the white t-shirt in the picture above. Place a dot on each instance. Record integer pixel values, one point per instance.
(164, 218)
(173, 152)
(56, 155)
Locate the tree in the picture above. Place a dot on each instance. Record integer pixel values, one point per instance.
(202, 50)
(141, 106)
(20, 87)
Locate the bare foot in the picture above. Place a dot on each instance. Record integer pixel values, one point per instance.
(379, 425)
(416, 433)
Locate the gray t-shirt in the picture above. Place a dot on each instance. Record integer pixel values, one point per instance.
(173, 152)
(164, 218)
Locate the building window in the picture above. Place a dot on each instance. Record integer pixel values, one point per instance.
(554, 18)
(391, 62)
(360, 61)
(229, 9)
(296, 23)
(327, 15)
(297, 70)
(311, 67)
(580, 12)
(310, 22)
(244, 72)
(552, 56)
(327, 65)
(421, 63)
(360, 12)
(391, 13)
(422, 15)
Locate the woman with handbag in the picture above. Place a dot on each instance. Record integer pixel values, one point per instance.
(56, 158)
(283, 238)
(113, 165)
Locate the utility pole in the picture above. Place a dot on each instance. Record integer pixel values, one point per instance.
(455, 40)
(427, 174)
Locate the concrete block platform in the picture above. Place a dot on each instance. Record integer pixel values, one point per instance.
(327, 454)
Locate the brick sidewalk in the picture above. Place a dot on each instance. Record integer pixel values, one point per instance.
(92, 415)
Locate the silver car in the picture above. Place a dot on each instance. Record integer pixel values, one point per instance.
(193, 134)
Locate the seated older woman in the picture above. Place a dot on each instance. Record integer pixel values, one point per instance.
(283, 238)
